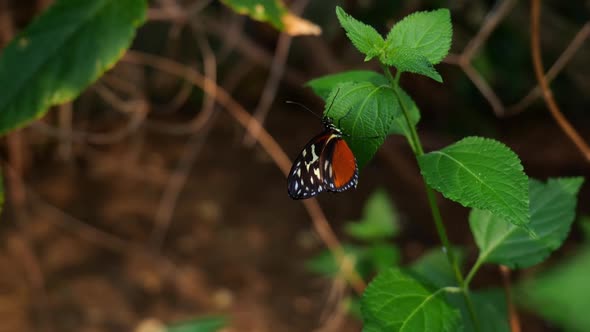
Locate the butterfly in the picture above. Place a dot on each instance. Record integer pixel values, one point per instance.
(326, 163)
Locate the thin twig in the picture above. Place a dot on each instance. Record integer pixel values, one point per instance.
(245, 45)
(491, 22)
(248, 48)
(267, 142)
(512, 313)
(201, 126)
(271, 87)
(171, 193)
(22, 248)
(567, 128)
(65, 118)
(277, 69)
(138, 109)
(484, 88)
(16, 158)
(495, 16)
(555, 69)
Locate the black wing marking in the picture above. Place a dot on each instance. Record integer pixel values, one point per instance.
(305, 179)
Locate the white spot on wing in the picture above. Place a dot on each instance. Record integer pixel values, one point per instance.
(316, 172)
(314, 157)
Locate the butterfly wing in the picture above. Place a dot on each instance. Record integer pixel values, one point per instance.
(338, 165)
(306, 178)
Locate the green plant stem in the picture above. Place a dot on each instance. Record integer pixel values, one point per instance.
(398, 75)
(473, 270)
(436, 215)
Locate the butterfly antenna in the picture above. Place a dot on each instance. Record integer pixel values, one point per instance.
(305, 107)
(332, 102)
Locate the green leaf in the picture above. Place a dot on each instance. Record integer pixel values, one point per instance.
(322, 86)
(552, 209)
(325, 264)
(380, 219)
(409, 60)
(62, 52)
(364, 37)
(428, 34)
(433, 268)
(394, 301)
(382, 256)
(364, 111)
(204, 324)
(561, 294)
(353, 306)
(270, 11)
(490, 309)
(400, 125)
(276, 14)
(365, 260)
(480, 173)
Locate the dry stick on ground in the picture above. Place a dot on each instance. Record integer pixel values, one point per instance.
(203, 124)
(567, 128)
(277, 69)
(22, 247)
(97, 236)
(267, 142)
(83, 229)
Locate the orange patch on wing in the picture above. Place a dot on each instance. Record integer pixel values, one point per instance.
(343, 164)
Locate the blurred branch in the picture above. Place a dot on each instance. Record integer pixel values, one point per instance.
(567, 128)
(23, 251)
(557, 67)
(200, 126)
(484, 88)
(16, 158)
(14, 140)
(491, 22)
(494, 17)
(137, 109)
(65, 119)
(267, 142)
(464, 59)
(243, 43)
(277, 69)
(512, 313)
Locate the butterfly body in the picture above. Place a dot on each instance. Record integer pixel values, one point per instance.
(326, 163)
